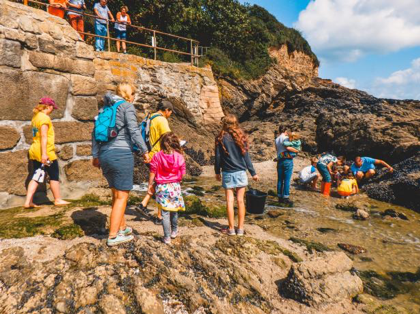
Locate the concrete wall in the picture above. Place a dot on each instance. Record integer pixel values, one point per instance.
(42, 55)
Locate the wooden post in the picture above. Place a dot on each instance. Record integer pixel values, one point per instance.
(107, 32)
(154, 45)
(192, 52)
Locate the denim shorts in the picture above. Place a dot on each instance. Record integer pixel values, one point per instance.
(233, 180)
(120, 34)
(118, 168)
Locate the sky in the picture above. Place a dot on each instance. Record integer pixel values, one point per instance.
(371, 45)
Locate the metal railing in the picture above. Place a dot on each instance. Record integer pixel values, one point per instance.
(193, 44)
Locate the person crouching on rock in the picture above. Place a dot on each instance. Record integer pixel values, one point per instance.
(348, 186)
(364, 167)
(115, 158)
(167, 169)
(42, 151)
(324, 165)
(309, 175)
(232, 157)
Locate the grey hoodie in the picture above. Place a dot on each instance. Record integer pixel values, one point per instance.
(129, 131)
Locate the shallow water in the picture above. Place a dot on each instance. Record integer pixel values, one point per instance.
(392, 244)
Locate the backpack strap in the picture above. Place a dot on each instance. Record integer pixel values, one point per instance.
(114, 116)
(151, 118)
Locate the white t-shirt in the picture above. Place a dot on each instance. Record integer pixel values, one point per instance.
(279, 143)
(307, 173)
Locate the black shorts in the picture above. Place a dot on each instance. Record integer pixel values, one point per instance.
(52, 170)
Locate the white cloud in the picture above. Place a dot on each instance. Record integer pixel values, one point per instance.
(349, 83)
(345, 30)
(403, 84)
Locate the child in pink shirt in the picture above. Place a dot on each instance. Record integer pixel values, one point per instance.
(167, 169)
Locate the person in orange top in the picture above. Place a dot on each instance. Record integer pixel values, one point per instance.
(57, 7)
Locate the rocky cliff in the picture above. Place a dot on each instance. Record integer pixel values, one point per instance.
(332, 118)
(42, 55)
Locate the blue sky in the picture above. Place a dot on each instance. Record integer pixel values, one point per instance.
(370, 45)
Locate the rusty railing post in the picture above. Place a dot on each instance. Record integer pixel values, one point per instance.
(154, 44)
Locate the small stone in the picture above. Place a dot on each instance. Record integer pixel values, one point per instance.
(85, 108)
(84, 150)
(361, 215)
(83, 85)
(11, 53)
(82, 170)
(66, 152)
(9, 137)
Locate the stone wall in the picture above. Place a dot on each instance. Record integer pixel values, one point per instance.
(41, 55)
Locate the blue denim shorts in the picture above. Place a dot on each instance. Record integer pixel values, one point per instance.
(233, 180)
(120, 34)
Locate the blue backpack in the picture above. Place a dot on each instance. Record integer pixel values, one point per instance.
(105, 128)
(145, 130)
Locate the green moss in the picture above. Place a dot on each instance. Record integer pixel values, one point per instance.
(89, 200)
(134, 199)
(326, 230)
(311, 246)
(197, 190)
(12, 226)
(189, 179)
(380, 286)
(214, 189)
(385, 309)
(68, 232)
(193, 205)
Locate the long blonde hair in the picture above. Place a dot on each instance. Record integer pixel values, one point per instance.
(39, 108)
(125, 90)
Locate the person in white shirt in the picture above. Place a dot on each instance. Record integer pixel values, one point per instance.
(309, 174)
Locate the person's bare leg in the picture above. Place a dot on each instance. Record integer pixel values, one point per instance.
(369, 174)
(118, 46)
(55, 189)
(359, 176)
(230, 200)
(33, 185)
(114, 197)
(314, 183)
(240, 193)
(124, 46)
(117, 213)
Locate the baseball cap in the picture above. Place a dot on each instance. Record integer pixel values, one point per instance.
(166, 104)
(48, 101)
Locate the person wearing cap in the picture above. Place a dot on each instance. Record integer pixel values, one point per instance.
(42, 151)
(158, 127)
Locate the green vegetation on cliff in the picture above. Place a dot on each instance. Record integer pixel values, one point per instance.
(238, 35)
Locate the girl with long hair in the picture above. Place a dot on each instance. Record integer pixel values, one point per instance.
(232, 161)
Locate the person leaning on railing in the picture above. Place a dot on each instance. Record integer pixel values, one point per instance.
(57, 7)
(76, 19)
(121, 27)
(101, 10)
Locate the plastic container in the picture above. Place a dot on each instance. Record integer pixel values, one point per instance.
(255, 201)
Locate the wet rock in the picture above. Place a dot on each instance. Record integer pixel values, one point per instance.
(353, 249)
(393, 214)
(326, 230)
(347, 207)
(274, 213)
(361, 214)
(322, 280)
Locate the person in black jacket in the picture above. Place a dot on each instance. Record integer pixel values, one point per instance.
(232, 159)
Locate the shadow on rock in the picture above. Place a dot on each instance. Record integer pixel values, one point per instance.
(92, 222)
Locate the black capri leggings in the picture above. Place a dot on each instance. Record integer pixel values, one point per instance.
(52, 170)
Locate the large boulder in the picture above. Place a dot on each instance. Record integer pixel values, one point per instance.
(82, 170)
(322, 280)
(401, 187)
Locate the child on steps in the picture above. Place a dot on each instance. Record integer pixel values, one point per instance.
(167, 169)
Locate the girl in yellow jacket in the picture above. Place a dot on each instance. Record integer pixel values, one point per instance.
(348, 186)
